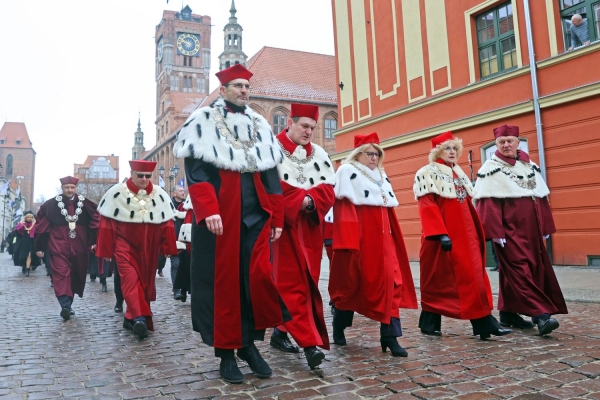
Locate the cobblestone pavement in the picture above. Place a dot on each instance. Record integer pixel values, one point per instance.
(92, 356)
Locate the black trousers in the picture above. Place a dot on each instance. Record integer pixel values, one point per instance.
(117, 285)
(343, 319)
(430, 322)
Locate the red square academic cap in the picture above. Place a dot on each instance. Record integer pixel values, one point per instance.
(439, 139)
(370, 138)
(506, 130)
(238, 71)
(304, 110)
(142, 166)
(69, 180)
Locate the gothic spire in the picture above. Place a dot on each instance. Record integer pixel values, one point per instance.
(232, 10)
(139, 123)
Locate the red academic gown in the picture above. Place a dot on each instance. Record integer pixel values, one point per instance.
(297, 259)
(370, 273)
(135, 247)
(453, 283)
(528, 284)
(68, 257)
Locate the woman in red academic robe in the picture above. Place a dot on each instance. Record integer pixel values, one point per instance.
(454, 282)
(369, 272)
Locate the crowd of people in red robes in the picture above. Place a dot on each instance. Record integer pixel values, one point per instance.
(247, 243)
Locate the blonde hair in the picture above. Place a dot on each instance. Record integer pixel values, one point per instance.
(356, 152)
(435, 152)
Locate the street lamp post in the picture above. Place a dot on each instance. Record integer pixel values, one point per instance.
(173, 172)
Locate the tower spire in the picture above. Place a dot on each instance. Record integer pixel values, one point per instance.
(139, 123)
(232, 10)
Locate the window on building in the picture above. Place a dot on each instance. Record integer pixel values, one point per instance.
(2, 141)
(330, 127)
(279, 122)
(18, 141)
(580, 31)
(167, 127)
(496, 40)
(9, 165)
(227, 64)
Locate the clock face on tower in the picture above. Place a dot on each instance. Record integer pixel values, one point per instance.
(188, 44)
(159, 49)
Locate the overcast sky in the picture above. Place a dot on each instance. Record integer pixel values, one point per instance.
(78, 72)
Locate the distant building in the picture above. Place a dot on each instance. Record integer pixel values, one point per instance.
(96, 175)
(138, 150)
(17, 158)
(232, 45)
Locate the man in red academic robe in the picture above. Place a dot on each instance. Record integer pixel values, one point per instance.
(307, 179)
(136, 224)
(230, 162)
(512, 202)
(66, 226)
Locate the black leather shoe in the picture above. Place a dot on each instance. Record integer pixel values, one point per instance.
(65, 314)
(104, 288)
(71, 312)
(431, 333)
(256, 363)
(494, 269)
(395, 348)
(338, 336)
(119, 307)
(314, 356)
(128, 324)
(27, 272)
(283, 344)
(545, 326)
(516, 321)
(140, 329)
(230, 371)
(177, 294)
(183, 297)
(497, 332)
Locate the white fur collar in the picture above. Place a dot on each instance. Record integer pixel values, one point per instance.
(497, 178)
(438, 179)
(316, 171)
(352, 184)
(123, 205)
(204, 137)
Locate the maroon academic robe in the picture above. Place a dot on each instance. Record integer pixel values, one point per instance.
(298, 252)
(370, 272)
(135, 247)
(528, 284)
(69, 257)
(453, 283)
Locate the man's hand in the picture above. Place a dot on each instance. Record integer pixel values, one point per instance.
(586, 43)
(275, 233)
(446, 243)
(214, 224)
(305, 203)
(93, 247)
(570, 48)
(500, 241)
(39, 254)
(108, 259)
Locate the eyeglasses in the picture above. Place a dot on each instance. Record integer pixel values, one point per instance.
(147, 176)
(372, 155)
(239, 86)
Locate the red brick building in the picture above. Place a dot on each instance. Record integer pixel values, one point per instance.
(411, 70)
(17, 157)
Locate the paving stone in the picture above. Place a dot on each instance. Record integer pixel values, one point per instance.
(477, 396)
(300, 394)
(565, 392)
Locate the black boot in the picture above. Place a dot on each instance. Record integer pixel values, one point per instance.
(338, 336)
(256, 363)
(392, 343)
(27, 272)
(65, 313)
(177, 294)
(546, 324)
(230, 371)
(314, 356)
(280, 341)
(140, 329)
(119, 306)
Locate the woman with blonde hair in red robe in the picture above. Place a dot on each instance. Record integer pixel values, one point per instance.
(369, 271)
(454, 282)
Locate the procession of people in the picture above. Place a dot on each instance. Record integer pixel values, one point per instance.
(247, 243)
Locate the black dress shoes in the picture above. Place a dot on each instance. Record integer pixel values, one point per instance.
(314, 356)
(230, 371)
(256, 363)
(177, 294)
(431, 333)
(104, 288)
(283, 343)
(392, 343)
(547, 325)
(497, 332)
(140, 329)
(71, 312)
(128, 324)
(516, 321)
(183, 297)
(119, 307)
(338, 336)
(65, 314)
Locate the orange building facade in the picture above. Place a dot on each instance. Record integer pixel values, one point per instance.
(412, 69)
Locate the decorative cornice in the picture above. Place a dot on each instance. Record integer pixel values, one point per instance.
(569, 55)
(566, 96)
(437, 99)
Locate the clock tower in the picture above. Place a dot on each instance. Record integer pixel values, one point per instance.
(182, 68)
